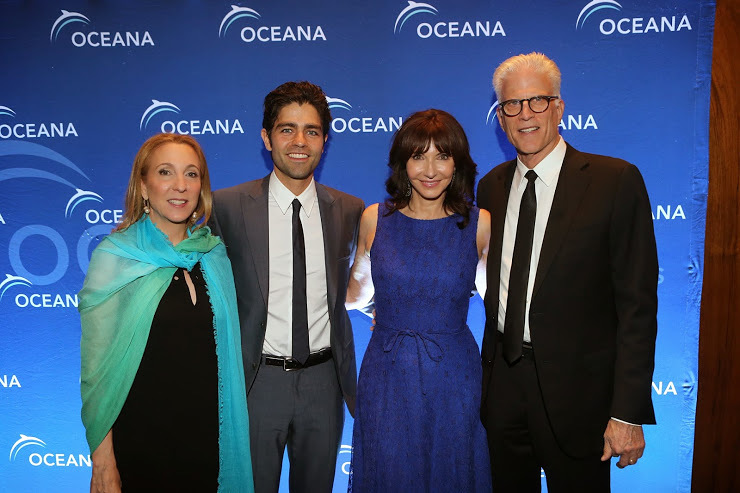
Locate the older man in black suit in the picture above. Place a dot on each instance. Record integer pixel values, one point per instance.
(290, 241)
(568, 349)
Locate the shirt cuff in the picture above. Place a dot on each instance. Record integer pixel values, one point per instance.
(625, 422)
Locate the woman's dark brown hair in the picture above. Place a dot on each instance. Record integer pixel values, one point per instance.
(414, 137)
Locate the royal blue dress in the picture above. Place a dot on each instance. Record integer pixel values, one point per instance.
(417, 421)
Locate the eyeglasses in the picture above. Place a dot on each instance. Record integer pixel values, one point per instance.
(538, 104)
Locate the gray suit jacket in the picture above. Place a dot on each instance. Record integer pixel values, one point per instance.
(240, 218)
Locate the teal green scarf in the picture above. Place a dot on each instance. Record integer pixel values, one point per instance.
(128, 274)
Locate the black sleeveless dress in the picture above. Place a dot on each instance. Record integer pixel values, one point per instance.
(166, 436)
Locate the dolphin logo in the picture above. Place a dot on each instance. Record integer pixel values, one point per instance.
(413, 9)
(156, 107)
(24, 441)
(78, 198)
(23, 148)
(63, 20)
(338, 103)
(234, 14)
(9, 282)
(592, 7)
(4, 110)
(490, 117)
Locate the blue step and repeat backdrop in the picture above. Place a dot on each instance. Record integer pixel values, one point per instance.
(84, 83)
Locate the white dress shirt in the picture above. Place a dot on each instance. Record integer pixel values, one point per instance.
(548, 171)
(279, 332)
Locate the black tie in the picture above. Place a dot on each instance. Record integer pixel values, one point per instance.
(300, 311)
(519, 275)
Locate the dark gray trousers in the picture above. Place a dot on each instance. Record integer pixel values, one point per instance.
(304, 410)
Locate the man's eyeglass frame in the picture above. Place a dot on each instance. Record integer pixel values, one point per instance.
(503, 104)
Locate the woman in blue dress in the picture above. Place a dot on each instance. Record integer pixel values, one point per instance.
(421, 254)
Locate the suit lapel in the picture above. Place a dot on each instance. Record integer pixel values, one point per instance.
(572, 184)
(256, 224)
(329, 224)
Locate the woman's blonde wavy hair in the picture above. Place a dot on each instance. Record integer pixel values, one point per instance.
(134, 202)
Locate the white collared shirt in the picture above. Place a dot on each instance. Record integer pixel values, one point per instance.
(279, 332)
(548, 171)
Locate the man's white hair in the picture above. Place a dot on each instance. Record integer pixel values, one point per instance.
(538, 62)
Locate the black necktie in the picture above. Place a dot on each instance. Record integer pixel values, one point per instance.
(300, 311)
(516, 302)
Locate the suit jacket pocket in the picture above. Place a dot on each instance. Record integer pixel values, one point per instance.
(602, 358)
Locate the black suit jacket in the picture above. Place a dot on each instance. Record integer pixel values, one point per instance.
(594, 305)
(240, 218)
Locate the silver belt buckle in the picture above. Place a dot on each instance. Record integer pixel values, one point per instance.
(285, 362)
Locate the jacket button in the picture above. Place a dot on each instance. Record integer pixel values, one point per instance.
(254, 366)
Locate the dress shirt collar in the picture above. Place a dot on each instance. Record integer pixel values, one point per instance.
(284, 197)
(547, 170)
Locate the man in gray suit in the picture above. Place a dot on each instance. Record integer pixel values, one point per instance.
(290, 241)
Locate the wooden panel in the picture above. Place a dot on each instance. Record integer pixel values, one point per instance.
(717, 437)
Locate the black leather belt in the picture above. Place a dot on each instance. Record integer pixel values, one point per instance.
(527, 350)
(289, 364)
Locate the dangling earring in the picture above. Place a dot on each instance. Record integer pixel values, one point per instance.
(195, 215)
(408, 189)
(146, 206)
(452, 180)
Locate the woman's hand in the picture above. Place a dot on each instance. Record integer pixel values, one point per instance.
(105, 477)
